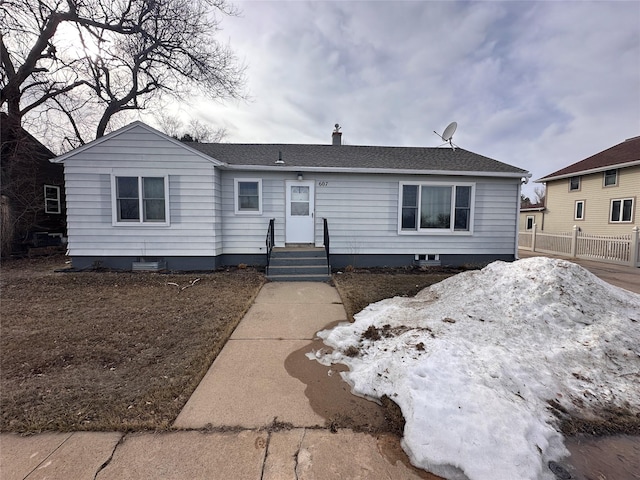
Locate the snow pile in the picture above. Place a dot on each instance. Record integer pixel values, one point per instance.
(473, 362)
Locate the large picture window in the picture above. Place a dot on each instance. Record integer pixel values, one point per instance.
(248, 196)
(435, 208)
(140, 199)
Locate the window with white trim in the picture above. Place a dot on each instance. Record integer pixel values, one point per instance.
(140, 200)
(248, 196)
(435, 207)
(578, 211)
(574, 184)
(610, 178)
(52, 199)
(530, 221)
(621, 210)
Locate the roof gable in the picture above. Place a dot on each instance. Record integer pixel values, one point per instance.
(127, 128)
(626, 153)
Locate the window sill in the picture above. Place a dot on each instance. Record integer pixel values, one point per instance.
(436, 232)
(140, 224)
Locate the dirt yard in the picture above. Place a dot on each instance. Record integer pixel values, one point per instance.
(109, 351)
(358, 288)
(124, 351)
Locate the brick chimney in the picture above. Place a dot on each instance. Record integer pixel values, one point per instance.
(336, 136)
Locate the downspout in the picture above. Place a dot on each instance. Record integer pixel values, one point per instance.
(524, 180)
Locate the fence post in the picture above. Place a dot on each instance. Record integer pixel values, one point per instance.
(633, 254)
(533, 237)
(574, 241)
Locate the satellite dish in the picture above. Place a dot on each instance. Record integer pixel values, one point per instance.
(449, 131)
(447, 135)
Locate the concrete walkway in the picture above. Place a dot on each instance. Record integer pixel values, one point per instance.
(260, 413)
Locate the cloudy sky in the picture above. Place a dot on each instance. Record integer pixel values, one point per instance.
(539, 85)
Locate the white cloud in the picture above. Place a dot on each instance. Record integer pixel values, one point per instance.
(539, 85)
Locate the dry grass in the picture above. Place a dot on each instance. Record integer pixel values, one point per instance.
(362, 287)
(109, 351)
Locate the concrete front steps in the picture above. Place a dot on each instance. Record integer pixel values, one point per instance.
(298, 264)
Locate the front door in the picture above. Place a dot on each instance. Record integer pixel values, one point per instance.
(299, 221)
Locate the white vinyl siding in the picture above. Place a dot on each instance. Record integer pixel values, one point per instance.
(247, 232)
(190, 189)
(363, 211)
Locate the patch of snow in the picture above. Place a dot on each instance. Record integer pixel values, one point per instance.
(474, 361)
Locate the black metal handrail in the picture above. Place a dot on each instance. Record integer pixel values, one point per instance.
(326, 244)
(270, 240)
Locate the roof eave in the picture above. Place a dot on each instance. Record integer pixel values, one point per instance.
(396, 171)
(589, 171)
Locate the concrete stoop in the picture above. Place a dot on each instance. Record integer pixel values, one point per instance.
(298, 264)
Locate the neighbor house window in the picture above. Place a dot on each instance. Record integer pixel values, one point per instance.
(530, 221)
(435, 208)
(52, 199)
(140, 199)
(248, 196)
(610, 178)
(621, 210)
(574, 184)
(579, 210)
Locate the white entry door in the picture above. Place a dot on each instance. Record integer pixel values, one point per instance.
(299, 221)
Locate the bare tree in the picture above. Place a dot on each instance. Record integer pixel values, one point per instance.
(196, 131)
(82, 62)
(540, 194)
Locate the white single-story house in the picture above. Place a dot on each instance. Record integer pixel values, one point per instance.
(137, 194)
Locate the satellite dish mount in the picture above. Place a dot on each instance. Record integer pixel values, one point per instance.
(447, 135)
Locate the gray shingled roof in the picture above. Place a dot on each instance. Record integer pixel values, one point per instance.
(354, 157)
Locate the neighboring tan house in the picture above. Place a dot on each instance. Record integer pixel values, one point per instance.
(598, 194)
(137, 194)
(530, 215)
(32, 188)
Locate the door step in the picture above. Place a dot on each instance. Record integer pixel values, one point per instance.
(298, 264)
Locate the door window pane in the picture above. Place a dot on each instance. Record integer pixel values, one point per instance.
(299, 201)
(299, 209)
(299, 194)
